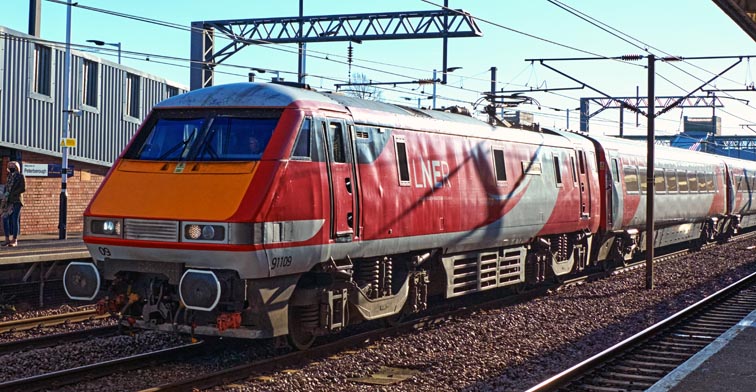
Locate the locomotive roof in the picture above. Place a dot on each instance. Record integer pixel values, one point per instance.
(363, 111)
(244, 94)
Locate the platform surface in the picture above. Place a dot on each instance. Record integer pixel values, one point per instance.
(728, 364)
(40, 248)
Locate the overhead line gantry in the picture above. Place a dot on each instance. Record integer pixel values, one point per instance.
(444, 23)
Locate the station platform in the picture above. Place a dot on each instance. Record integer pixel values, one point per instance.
(726, 364)
(44, 248)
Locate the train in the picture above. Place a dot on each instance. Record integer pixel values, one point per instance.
(351, 210)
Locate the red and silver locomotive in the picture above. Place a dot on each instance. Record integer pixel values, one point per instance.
(262, 210)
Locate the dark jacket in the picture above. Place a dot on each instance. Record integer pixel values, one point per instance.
(15, 188)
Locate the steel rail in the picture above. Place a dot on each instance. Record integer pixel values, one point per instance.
(636, 343)
(51, 320)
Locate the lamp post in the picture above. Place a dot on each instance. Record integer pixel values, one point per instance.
(102, 43)
(63, 206)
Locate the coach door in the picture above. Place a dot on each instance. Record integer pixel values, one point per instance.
(342, 179)
(585, 194)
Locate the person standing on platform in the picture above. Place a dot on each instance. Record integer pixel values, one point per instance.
(14, 200)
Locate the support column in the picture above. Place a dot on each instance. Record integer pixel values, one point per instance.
(201, 73)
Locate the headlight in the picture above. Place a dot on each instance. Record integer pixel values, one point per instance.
(105, 226)
(204, 232)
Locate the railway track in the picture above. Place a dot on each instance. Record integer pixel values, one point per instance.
(70, 376)
(51, 320)
(272, 363)
(640, 361)
(448, 311)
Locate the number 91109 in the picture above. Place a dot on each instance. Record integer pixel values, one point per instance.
(280, 262)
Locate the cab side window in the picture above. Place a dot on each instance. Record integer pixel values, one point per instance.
(303, 145)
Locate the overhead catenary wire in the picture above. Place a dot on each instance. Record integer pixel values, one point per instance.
(280, 47)
(328, 56)
(606, 27)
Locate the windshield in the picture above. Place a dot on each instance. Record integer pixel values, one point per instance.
(205, 136)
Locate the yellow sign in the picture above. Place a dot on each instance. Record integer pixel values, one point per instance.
(68, 142)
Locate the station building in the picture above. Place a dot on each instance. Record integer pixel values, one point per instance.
(109, 101)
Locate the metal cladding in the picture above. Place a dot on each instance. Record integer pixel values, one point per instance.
(34, 121)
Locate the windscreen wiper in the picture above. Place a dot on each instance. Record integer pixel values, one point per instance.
(182, 144)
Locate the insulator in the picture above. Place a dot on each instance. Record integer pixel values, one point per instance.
(350, 53)
(631, 57)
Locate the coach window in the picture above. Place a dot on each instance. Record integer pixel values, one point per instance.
(709, 182)
(659, 185)
(557, 171)
(615, 170)
(752, 182)
(692, 181)
(669, 174)
(631, 179)
(701, 181)
(500, 168)
(682, 180)
(581, 161)
(302, 146)
(338, 147)
(401, 160)
(574, 171)
(642, 179)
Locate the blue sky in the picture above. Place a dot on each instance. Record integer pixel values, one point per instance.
(680, 27)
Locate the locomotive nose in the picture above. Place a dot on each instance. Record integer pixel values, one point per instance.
(81, 281)
(199, 290)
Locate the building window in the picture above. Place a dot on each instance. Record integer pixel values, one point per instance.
(132, 95)
(90, 82)
(42, 72)
(172, 91)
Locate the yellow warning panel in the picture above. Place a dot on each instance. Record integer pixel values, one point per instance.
(68, 142)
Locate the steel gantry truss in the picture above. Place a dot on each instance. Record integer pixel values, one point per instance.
(444, 23)
(711, 101)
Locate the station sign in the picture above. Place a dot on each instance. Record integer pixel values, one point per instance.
(68, 142)
(45, 170)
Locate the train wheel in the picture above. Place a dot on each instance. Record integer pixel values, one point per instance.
(302, 322)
